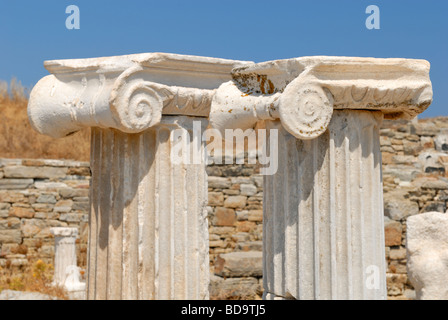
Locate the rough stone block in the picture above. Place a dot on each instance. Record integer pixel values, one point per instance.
(248, 189)
(81, 206)
(435, 184)
(214, 171)
(434, 206)
(46, 215)
(73, 192)
(239, 288)
(255, 215)
(9, 224)
(219, 183)
(81, 171)
(49, 185)
(397, 207)
(42, 207)
(245, 226)
(412, 148)
(21, 212)
(217, 243)
(231, 192)
(241, 237)
(258, 180)
(46, 198)
(424, 129)
(224, 217)
(71, 217)
(235, 202)
(11, 197)
(250, 246)
(15, 184)
(441, 141)
(63, 206)
(215, 199)
(35, 172)
(10, 236)
(239, 264)
(240, 180)
(402, 172)
(392, 232)
(32, 227)
(397, 254)
(395, 284)
(242, 215)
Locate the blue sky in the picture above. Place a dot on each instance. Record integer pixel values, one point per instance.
(32, 31)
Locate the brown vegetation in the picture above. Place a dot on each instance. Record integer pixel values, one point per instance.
(35, 277)
(19, 140)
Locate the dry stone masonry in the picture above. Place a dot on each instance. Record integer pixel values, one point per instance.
(35, 196)
(323, 208)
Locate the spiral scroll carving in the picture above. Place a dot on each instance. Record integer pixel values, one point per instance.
(306, 110)
(136, 106)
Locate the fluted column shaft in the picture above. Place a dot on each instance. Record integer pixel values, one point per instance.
(323, 213)
(148, 222)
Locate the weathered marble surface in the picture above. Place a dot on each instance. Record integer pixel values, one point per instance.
(427, 255)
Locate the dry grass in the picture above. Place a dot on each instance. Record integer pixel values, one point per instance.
(36, 277)
(19, 140)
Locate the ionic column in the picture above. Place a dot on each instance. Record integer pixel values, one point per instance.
(323, 233)
(64, 252)
(323, 213)
(148, 234)
(148, 223)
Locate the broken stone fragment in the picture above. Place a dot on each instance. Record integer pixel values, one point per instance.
(427, 255)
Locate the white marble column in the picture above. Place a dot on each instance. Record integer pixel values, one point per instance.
(148, 223)
(64, 252)
(323, 213)
(323, 233)
(148, 234)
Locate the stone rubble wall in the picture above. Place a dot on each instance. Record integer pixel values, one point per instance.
(36, 195)
(415, 180)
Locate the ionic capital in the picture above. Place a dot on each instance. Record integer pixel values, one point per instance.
(303, 92)
(128, 93)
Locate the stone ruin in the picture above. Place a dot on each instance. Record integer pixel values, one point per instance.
(66, 270)
(427, 255)
(323, 227)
